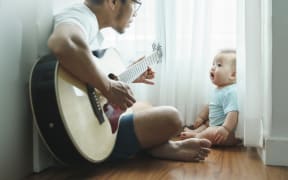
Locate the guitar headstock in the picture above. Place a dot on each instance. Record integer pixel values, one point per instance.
(158, 49)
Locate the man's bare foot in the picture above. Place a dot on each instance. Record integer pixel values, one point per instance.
(191, 149)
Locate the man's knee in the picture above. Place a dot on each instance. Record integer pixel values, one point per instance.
(173, 118)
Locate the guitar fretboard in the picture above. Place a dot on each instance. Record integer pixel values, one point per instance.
(135, 70)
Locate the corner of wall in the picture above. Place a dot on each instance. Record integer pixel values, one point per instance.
(274, 151)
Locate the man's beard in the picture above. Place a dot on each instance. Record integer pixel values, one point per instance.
(120, 15)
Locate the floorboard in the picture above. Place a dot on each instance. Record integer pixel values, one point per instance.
(229, 163)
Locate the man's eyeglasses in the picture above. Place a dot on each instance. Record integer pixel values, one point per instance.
(137, 5)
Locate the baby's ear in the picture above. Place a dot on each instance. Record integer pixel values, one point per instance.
(233, 76)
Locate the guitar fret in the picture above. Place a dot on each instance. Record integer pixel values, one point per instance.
(136, 69)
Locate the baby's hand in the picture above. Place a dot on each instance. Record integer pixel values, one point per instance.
(221, 135)
(197, 123)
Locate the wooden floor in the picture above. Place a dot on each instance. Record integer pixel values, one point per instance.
(222, 163)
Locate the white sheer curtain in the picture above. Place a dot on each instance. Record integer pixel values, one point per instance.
(251, 71)
(185, 31)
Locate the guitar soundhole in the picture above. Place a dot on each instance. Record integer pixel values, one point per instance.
(113, 76)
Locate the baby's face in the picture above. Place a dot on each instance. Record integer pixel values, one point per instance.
(223, 71)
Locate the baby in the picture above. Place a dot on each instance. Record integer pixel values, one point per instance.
(218, 120)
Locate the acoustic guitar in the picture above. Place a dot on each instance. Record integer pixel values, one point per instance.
(73, 119)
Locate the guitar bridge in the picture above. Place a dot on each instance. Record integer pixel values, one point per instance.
(95, 103)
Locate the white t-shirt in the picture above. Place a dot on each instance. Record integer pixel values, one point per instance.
(82, 16)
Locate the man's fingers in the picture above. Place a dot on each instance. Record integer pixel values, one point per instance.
(123, 107)
(129, 96)
(130, 99)
(148, 82)
(129, 103)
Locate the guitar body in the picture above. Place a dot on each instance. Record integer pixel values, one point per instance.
(73, 119)
(69, 115)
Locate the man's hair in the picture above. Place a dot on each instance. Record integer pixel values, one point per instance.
(101, 1)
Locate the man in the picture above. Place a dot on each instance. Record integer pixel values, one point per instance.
(76, 34)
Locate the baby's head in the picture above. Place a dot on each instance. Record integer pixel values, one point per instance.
(223, 70)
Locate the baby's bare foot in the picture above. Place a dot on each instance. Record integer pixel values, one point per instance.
(186, 129)
(186, 135)
(191, 149)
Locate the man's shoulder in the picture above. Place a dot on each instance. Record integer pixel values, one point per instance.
(78, 14)
(77, 8)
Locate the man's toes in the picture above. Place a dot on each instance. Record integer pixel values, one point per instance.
(199, 158)
(205, 151)
(205, 143)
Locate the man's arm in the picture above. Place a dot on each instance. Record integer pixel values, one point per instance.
(68, 44)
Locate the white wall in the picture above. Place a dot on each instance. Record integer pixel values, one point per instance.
(276, 123)
(279, 68)
(24, 29)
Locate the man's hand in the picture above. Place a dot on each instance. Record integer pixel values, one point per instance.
(144, 78)
(221, 135)
(119, 94)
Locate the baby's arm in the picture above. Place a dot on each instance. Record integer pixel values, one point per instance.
(228, 127)
(202, 117)
(231, 121)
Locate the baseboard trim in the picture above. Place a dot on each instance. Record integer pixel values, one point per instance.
(42, 159)
(274, 151)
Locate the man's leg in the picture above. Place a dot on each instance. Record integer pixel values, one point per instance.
(155, 126)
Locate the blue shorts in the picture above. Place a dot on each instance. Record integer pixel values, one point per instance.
(127, 143)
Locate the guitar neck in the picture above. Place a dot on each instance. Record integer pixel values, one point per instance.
(135, 70)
